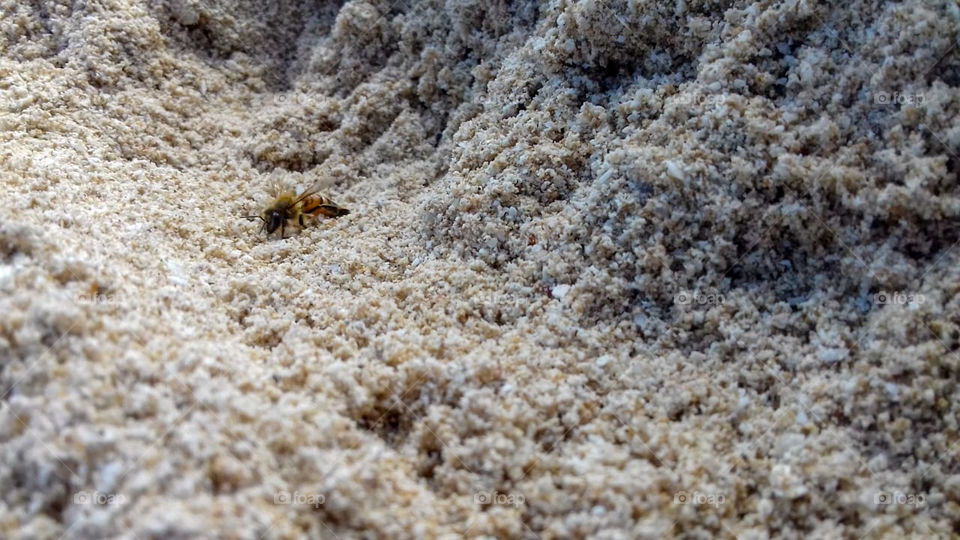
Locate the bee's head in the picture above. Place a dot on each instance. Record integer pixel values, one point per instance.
(272, 219)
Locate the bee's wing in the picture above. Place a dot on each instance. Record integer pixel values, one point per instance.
(312, 190)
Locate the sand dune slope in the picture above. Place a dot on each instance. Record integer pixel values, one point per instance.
(612, 269)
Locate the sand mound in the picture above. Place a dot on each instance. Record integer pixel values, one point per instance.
(612, 269)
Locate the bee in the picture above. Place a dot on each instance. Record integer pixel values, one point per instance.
(289, 207)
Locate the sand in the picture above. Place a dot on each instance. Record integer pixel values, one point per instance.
(612, 269)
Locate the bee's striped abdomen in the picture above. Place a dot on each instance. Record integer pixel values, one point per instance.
(313, 202)
(319, 205)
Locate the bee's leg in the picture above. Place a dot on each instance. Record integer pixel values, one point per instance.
(283, 227)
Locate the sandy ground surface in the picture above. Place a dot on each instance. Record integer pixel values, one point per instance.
(613, 269)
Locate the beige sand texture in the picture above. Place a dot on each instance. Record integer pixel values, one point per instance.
(614, 269)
